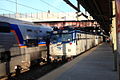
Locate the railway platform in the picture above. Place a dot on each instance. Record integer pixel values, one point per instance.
(95, 64)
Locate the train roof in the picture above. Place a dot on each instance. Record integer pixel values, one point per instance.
(72, 31)
(19, 22)
(13, 21)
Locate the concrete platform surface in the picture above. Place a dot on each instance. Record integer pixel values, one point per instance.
(95, 64)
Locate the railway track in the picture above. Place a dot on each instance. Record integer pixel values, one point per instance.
(37, 71)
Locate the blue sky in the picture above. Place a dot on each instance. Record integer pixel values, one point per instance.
(37, 4)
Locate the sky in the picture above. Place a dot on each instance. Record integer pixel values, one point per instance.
(25, 6)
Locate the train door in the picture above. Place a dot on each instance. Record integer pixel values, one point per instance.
(78, 43)
(96, 40)
(85, 41)
(88, 41)
(82, 47)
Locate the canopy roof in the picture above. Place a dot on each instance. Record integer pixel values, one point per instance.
(101, 10)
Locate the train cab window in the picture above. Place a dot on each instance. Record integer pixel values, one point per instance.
(66, 37)
(4, 27)
(55, 38)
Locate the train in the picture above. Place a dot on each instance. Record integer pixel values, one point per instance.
(21, 45)
(24, 44)
(66, 44)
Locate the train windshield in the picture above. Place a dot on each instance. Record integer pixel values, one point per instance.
(55, 38)
(66, 37)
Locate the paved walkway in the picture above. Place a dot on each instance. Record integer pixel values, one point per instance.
(96, 64)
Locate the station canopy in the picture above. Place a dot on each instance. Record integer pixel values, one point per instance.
(101, 10)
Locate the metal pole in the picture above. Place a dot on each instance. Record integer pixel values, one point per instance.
(48, 52)
(7, 59)
(16, 8)
(114, 36)
(78, 5)
(8, 69)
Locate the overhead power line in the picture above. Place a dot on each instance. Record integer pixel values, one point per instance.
(7, 10)
(25, 6)
(11, 12)
(35, 8)
(51, 5)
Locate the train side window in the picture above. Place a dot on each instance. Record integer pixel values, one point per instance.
(29, 30)
(4, 27)
(31, 42)
(40, 31)
(78, 36)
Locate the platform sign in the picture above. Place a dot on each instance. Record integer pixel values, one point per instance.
(118, 22)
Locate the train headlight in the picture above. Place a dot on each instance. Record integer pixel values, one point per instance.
(68, 39)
